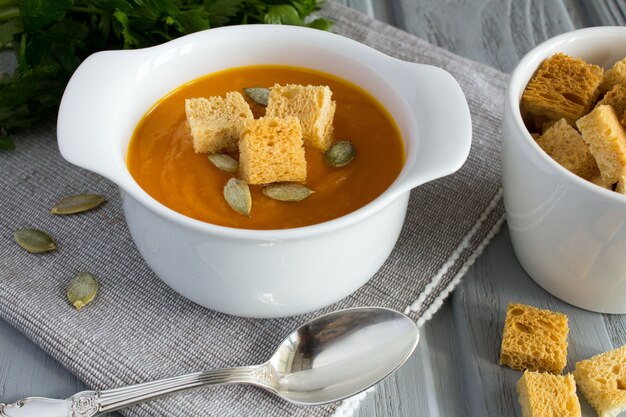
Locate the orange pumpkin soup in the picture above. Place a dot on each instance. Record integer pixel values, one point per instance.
(162, 160)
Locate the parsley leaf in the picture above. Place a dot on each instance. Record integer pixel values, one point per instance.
(221, 11)
(38, 14)
(283, 14)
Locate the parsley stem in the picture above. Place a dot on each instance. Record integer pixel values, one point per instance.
(9, 13)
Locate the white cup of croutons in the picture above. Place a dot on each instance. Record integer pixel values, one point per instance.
(564, 167)
(233, 264)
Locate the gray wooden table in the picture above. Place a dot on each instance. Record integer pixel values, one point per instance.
(454, 371)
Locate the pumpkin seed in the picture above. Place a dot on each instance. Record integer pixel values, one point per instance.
(82, 289)
(33, 240)
(287, 192)
(224, 162)
(237, 195)
(340, 154)
(259, 95)
(78, 203)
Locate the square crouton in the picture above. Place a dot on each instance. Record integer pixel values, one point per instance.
(616, 97)
(216, 123)
(604, 134)
(602, 380)
(563, 88)
(312, 105)
(547, 395)
(600, 182)
(534, 339)
(547, 125)
(615, 75)
(566, 146)
(271, 150)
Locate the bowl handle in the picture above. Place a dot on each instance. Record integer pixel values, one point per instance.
(443, 122)
(89, 115)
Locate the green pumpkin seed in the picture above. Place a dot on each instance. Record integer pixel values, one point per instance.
(259, 95)
(82, 289)
(78, 203)
(33, 240)
(339, 154)
(287, 192)
(237, 195)
(224, 162)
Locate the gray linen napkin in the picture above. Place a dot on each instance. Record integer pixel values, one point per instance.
(138, 329)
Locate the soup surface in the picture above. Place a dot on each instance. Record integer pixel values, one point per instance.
(162, 160)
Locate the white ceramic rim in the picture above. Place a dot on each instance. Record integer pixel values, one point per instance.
(531, 62)
(394, 190)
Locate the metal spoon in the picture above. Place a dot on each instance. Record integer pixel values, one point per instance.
(329, 358)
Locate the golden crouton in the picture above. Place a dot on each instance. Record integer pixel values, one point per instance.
(547, 395)
(616, 97)
(604, 134)
(534, 339)
(615, 75)
(547, 125)
(216, 123)
(564, 87)
(565, 145)
(271, 150)
(312, 105)
(600, 182)
(602, 380)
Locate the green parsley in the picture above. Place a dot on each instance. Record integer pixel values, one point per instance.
(51, 38)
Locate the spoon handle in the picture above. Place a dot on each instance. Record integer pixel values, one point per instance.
(95, 403)
(118, 398)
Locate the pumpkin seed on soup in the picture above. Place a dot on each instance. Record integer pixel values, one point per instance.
(82, 289)
(78, 203)
(259, 95)
(224, 162)
(237, 195)
(339, 154)
(34, 240)
(287, 192)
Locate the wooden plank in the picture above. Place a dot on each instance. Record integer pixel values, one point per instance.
(605, 12)
(364, 6)
(26, 370)
(376, 9)
(396, 395)
(423, 385)
(495, 32)
(445, 358)
(578, 15)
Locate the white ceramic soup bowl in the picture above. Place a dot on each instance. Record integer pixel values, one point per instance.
(567, 233)
(261, 273)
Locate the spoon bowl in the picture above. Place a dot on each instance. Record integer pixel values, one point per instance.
(330, 358)
(341, 354)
